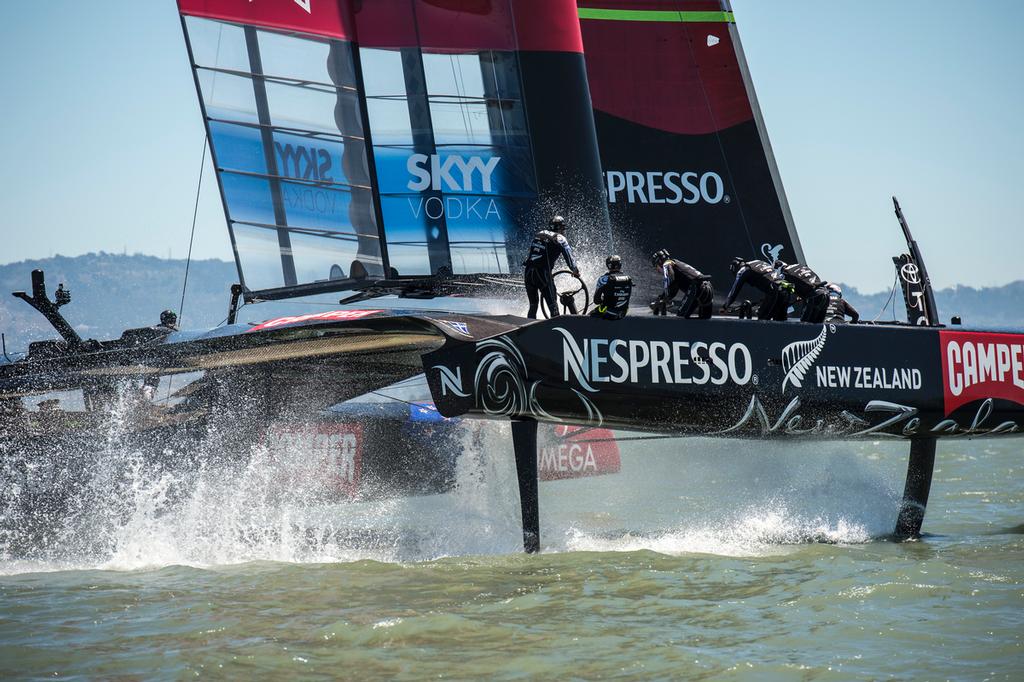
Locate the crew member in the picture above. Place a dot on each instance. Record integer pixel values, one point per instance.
(678, 276)
(611, 297)
(547, 246)
(838, 308)
(168, 324)
(808, 287)
(169, 320)
(778, 293)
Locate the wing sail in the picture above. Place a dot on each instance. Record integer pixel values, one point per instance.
(358, 142)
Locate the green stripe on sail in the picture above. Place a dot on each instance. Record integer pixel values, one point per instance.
(657, 15)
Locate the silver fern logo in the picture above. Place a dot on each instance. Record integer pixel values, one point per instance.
(771, 253)
(799, 356)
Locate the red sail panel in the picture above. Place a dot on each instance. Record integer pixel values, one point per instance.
(678, 76)
(547, 26)
(385, 24)
(317, 17)
(469, 25)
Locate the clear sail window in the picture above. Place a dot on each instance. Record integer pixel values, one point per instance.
(452, 156)
(303, 59)
(287, 134)
(227, 96)
(217, 44)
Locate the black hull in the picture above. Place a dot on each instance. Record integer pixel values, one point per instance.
(725, 377)
(719, 377)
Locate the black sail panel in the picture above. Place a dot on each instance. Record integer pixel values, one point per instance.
(686, 158)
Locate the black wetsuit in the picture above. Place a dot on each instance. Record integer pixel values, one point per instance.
(611, 298)
(680, 276)
(839, 308)
(547, 246)
(778, 293)
(810, 288)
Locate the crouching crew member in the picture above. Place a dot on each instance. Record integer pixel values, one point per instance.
(679, 276)
(808, 287)
(547, 246)
(838, 308)
(778, 293)
(611, 297)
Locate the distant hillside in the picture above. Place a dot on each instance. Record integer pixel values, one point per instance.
(985, 307)
(111, 292)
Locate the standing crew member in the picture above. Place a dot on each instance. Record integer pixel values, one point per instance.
(679, 276)
(809, 288)
(778, 293)
(839, 308)
(611, 297)
(168, 324)
(547, 246)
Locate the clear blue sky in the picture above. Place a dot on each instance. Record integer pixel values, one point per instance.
(925, 99)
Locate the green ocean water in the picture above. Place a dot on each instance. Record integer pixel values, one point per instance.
(700, 559)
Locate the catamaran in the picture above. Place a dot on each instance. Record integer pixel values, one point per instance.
(411, 148)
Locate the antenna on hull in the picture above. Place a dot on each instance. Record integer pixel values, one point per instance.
(50, 309)
(913, 276)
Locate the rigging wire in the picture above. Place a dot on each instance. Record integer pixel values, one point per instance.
(460, 89)
(892, 292)
(222, 322)
(191, 240)
(192, 236)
